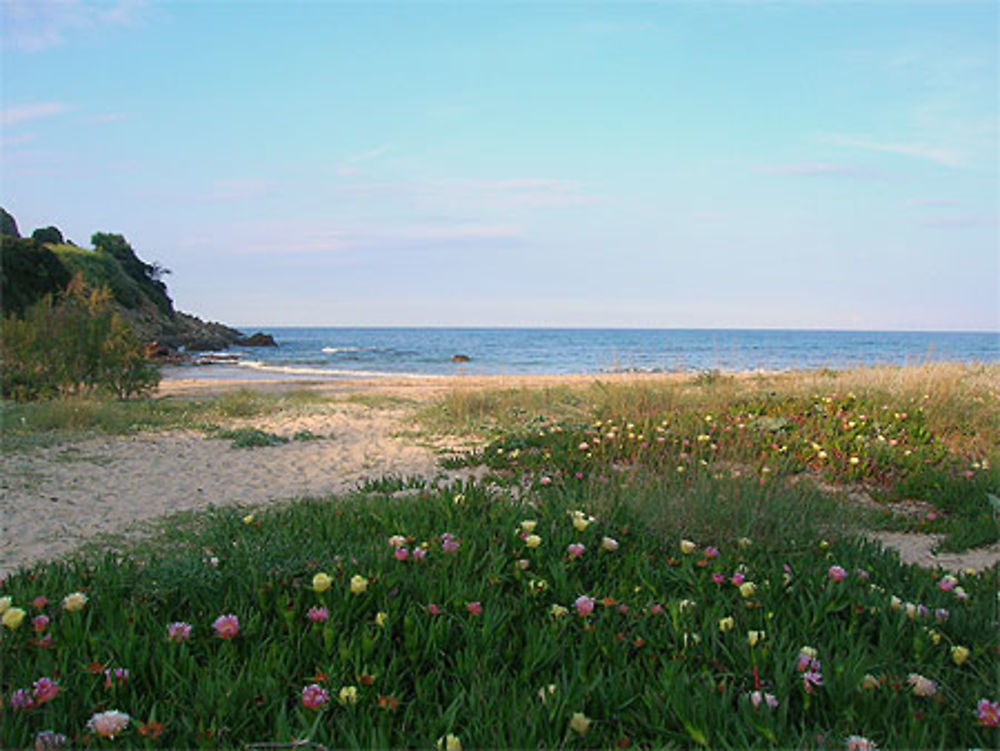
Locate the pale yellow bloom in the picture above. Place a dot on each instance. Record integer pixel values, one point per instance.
(5, 603)
(532, 541)
(744, 542)
(959, 654)
(381, 618)
(248, 519)
(687, 547)
(12, 617)
(748, 589)
(348, 695)
(528, 525)
(321, 582)
(546, 691)
(74, 601)
(358, 584)
(754, 636)
(809, 652)
(558, 611)
(579, 723)
(610, 544)
(449, 743)
(726, 624)
(869, 682)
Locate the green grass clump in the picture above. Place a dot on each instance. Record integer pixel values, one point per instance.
(497, 640)
(251, 438)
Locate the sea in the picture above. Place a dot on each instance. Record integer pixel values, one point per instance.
(338, 353)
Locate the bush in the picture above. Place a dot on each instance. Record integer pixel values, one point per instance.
(74, 344)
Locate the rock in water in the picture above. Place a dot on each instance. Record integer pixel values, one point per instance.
(460, 358)
(257, 340)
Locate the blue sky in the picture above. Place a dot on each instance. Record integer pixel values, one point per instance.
(790, 165)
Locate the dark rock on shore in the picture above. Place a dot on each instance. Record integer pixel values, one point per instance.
(256, 340)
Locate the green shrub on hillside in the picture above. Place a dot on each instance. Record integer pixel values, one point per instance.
(74, 344)
(28, 272)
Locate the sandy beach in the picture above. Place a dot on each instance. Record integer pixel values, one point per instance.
(56, 498)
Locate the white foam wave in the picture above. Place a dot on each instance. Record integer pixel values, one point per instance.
(335, 350)
(327, 372)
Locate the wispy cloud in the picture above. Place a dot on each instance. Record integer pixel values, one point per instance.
(532, 193)
(817, 169)
(26, 112)
(934, 202)
(34, 25)
(104, 118)
(937, 154)
(960, 222)
(19, 140)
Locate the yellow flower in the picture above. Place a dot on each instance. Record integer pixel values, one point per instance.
(546, 691)
(744, 542)
(381, 618)
(726, 624)
(748, 589)
(959, 654)
(248, 519)
(5, 603)
(579, 723)
(558, 611)
(528, 525)
(532, 541)
(321, 582)
(581, 521)
(358, 584)
(449, 743)
(12, 618)
(348, 695)
(687, 547)
(754, 636)
(74, 601)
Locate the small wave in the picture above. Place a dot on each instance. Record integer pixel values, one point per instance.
(327, 372)
(335, 350)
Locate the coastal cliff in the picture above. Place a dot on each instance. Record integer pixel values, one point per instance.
(44, 263)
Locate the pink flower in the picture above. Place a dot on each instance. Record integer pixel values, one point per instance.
(584, 605)
(576, 549)
(45, 642)
(837, 573)
(718, 578)
(947, 583)
(401, 554)
(45, 689)
(656, 609)
(21, 699)
(475, 608)
(921, 686)
(758, 697)
(40, 602)
(314, 696)
(811, 679)
(449, 544)
(860, 743)
(737, 579)
(40, 623)
(318, 614)
(988, 713)
(115, 677)
(178, 632)
(545, 480)
(433, 609)
(48, 740)
(227, 626)
(109, 724)
(941, 615)
(711, 552)
(419, 554)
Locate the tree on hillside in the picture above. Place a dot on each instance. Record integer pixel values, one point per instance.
(146, 275)
(28, 272)
(48, 235)
(7, 224)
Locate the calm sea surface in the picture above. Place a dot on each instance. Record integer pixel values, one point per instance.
(343, 352)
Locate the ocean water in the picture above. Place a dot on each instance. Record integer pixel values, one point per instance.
(347, 352)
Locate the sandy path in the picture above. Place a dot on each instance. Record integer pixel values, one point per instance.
(56, 498)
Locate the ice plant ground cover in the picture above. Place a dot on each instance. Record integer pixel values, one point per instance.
(485, 638)
(599, 587)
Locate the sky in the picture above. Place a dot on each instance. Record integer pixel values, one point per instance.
(657, 165)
